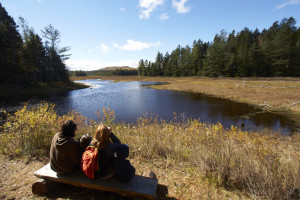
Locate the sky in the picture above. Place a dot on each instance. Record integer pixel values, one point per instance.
(103, 33)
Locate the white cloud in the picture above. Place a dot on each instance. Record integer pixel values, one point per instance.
(289, 3)
(164, 17)
(122, 9)
(132, 45)
(115, 45)
(148, 6)
(180, 6)
(39, 1)
(85, 65)
(104, 48)
(129, 63)
(89, 65)
(90, 50)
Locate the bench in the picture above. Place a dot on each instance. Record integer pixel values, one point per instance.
(138, 186)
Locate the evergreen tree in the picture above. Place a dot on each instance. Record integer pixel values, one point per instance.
(218, 56)
(159, 64)
(33, 54)
(142, 68)
(175, 61)
(197, 56)
(272, 52)
(295, 62)
(10, 48)
(55, 55)
(231, 67)
(256, 57)
(185, 66)
(243, 43)
(167, 71)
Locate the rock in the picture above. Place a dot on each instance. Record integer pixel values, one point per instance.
(149, 174)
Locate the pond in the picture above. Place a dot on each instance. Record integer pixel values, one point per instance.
(132, 100)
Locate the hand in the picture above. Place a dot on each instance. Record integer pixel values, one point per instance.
(110, 130)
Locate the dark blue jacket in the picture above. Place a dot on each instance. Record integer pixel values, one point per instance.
(124, 171)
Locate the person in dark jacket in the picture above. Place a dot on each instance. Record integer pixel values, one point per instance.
(64, 150)
(124, 171)
(106, 143)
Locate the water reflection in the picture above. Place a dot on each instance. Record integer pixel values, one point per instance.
(130, 100)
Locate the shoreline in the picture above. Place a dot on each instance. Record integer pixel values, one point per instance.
(275, 95)
(19, 92)
(251, 85)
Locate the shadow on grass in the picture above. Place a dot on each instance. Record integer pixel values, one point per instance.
(65, 191)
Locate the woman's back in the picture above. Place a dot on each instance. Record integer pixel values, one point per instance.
(107, 143)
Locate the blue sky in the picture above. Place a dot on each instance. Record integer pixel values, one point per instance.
(104, 33)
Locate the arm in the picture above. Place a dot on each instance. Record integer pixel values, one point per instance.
(74, 152)
(114, 138)
(111, 148)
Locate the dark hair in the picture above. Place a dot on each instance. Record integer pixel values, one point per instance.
(85, 140)
(68, 128)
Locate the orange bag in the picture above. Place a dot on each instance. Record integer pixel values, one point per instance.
(89, 161)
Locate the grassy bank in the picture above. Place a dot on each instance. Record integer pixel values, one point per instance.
(8, 90)
(194, 160)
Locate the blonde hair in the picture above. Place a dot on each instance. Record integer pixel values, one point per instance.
(101, 137)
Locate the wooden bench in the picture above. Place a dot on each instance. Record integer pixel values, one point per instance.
(138, 186)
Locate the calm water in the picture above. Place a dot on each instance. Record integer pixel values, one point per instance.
(131, 100)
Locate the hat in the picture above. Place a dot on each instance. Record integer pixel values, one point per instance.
(85, 140)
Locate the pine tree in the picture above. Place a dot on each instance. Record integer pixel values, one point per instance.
(167, 65)
(10, 48)
(55, 55)
(218, 56)
(33, 54)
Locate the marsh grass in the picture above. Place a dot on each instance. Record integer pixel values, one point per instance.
(194, 159)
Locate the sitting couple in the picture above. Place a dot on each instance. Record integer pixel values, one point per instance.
(66, 155)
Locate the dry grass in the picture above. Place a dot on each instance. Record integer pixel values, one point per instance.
(187, 155)
(194, 160)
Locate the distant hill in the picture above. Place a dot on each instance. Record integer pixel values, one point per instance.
(118, 67)
(107, 71)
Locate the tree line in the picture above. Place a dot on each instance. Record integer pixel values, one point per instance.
(272, 52)
(108, 71)
(24, 58)
(116, 72)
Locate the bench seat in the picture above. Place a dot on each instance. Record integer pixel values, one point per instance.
(138, 186)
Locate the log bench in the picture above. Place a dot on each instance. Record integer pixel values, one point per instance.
(138, 186)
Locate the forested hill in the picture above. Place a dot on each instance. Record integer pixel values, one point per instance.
(271, 52)
(24, 58)
(107, 71)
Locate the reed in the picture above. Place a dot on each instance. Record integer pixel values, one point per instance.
(194, 160)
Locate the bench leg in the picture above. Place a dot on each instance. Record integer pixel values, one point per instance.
(42, 186)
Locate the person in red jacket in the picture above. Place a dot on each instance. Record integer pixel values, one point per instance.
(65, 151)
